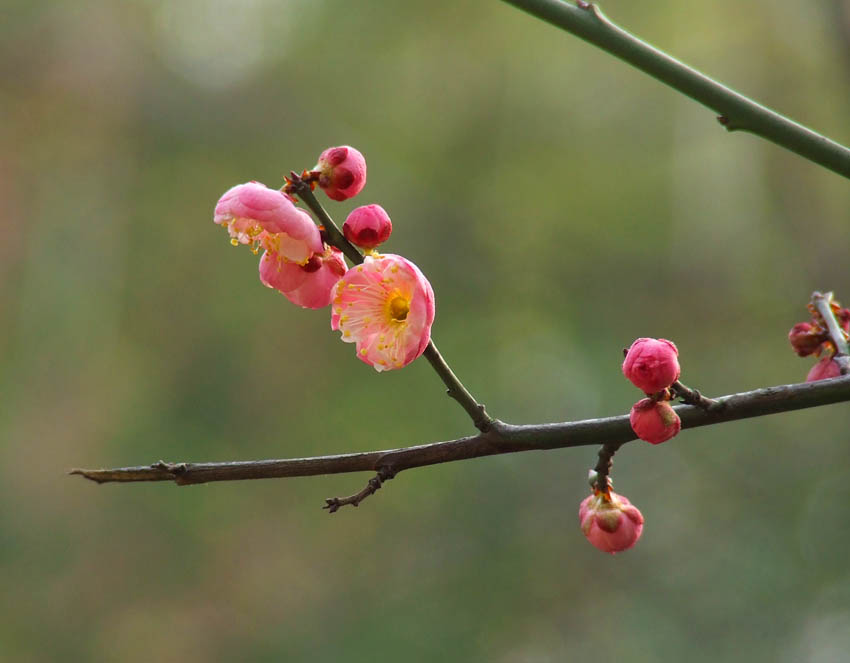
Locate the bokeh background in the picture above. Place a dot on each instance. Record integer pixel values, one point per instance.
(561, 204)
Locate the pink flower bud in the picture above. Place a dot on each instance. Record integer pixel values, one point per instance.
(386, 307)
(806, 339)
(654, 422)
(826, 368)
(368, 226)
(651, 364)
(610, 522)
(342, 172)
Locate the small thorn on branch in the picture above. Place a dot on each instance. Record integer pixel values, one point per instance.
(333, 504)
(727, 123)
(693, 397)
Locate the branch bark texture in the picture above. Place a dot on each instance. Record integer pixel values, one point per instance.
(501, 438)
(736, 112)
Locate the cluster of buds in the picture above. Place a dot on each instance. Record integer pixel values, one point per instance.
(652, 365)
(813, 338)
(384, 305)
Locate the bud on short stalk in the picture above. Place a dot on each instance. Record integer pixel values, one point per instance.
(610, 522)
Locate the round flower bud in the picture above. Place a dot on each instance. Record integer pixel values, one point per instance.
(652, 364)
(826, 368)
(342, 172)
(805, 338)
(654, 422)
(610, 522)
(368, 226)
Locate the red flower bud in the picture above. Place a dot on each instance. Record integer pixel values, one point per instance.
(652, 364)
(342, 172)
(654, 422)
(806, 339)
(610, 522)
(368, 226)
(826, 368)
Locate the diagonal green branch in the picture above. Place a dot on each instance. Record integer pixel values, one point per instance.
(736, 112)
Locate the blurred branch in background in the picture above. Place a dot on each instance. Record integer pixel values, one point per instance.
(736, 112)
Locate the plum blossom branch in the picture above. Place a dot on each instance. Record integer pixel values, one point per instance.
(455, 388)
(500, 438)
(736, 112)
(822, 303)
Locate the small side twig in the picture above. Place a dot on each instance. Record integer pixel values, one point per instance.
(693, 397)
(333, 504)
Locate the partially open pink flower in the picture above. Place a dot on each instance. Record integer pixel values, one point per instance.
(826, 368)
(342, 172)
(248, 210)
(654, 422)
(652, 364)
(806, 339)
(386, 307)
(368, 226)
(610, 522)
(309, 285)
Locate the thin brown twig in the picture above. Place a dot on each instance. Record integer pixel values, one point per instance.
(501, 438)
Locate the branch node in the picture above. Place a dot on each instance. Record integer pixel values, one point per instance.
(177, 469)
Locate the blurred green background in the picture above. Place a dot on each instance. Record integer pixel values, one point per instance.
(561, 204)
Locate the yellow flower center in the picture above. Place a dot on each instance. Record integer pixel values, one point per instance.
(399, 307)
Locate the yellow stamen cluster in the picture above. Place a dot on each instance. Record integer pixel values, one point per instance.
(398, 308)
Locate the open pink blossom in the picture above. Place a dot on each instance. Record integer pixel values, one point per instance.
(368, 226)
(386, 307)
(652, 364)
(610, 522)
(342, 172)
(654, 422)
(309, 285)
(252, 209)
(826, 368)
